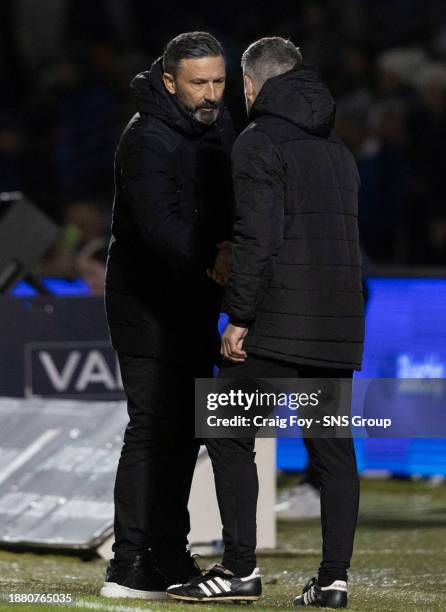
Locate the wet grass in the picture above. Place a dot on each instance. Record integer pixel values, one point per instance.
(398, 566)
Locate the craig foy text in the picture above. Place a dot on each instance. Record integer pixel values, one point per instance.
(295, 421)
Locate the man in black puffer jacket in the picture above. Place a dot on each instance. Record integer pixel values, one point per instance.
(172, 208)
(296, 280)
(295, 295)
(294, 299)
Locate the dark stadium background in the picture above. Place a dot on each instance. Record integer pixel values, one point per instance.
(65, 68)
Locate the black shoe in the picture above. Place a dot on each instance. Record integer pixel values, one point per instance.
(333, 596)
(219, 584)
(138, 578)
(179, 570)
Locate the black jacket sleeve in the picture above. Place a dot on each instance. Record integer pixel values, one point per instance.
(151, 192)
(258, 176)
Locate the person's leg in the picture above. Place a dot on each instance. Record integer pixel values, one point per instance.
(157, 461)
(334, 459)
(171, 522)
(235, 474)
(334, 462)
(237, 487)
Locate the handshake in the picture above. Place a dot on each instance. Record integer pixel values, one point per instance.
(222, 265)
(234, 335)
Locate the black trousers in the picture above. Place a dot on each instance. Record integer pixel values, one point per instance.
(236, 482)
(158, 457)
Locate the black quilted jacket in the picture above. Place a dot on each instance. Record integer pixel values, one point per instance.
(296, 279)
(173, 203)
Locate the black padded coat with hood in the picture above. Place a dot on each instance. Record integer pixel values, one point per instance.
(296, 281)
(173, 203)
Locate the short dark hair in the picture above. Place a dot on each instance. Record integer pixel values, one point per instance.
(189, 45)
(269, 57)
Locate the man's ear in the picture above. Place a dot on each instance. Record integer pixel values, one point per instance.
(169, 83)
(249, 86)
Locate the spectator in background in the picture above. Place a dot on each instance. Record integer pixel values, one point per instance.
(350, 70)
(39, 29)
(428, 133)
(65, 20)
(73, 121)
(90, 217)
(386, 177)
(85, 221)
(395, 70)
(86, 124)
(352, 125)
(65, 93)
(90, 265)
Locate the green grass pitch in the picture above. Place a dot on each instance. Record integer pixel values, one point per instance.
(399, 562)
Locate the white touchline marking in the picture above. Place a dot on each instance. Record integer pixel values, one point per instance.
(302, 552)
(28, 453)
(93, 605)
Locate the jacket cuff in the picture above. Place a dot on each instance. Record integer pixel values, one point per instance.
(239, 323)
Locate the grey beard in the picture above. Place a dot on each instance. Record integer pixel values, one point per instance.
(206, 117)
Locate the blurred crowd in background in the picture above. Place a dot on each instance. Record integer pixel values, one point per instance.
(65, 68)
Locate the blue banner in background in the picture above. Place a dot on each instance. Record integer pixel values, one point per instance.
(406, 328)
(405, 337)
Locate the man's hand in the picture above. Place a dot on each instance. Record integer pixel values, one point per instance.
(232, 342)
(223, 264)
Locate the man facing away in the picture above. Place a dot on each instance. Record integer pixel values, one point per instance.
(295, 304)
(172, 208)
